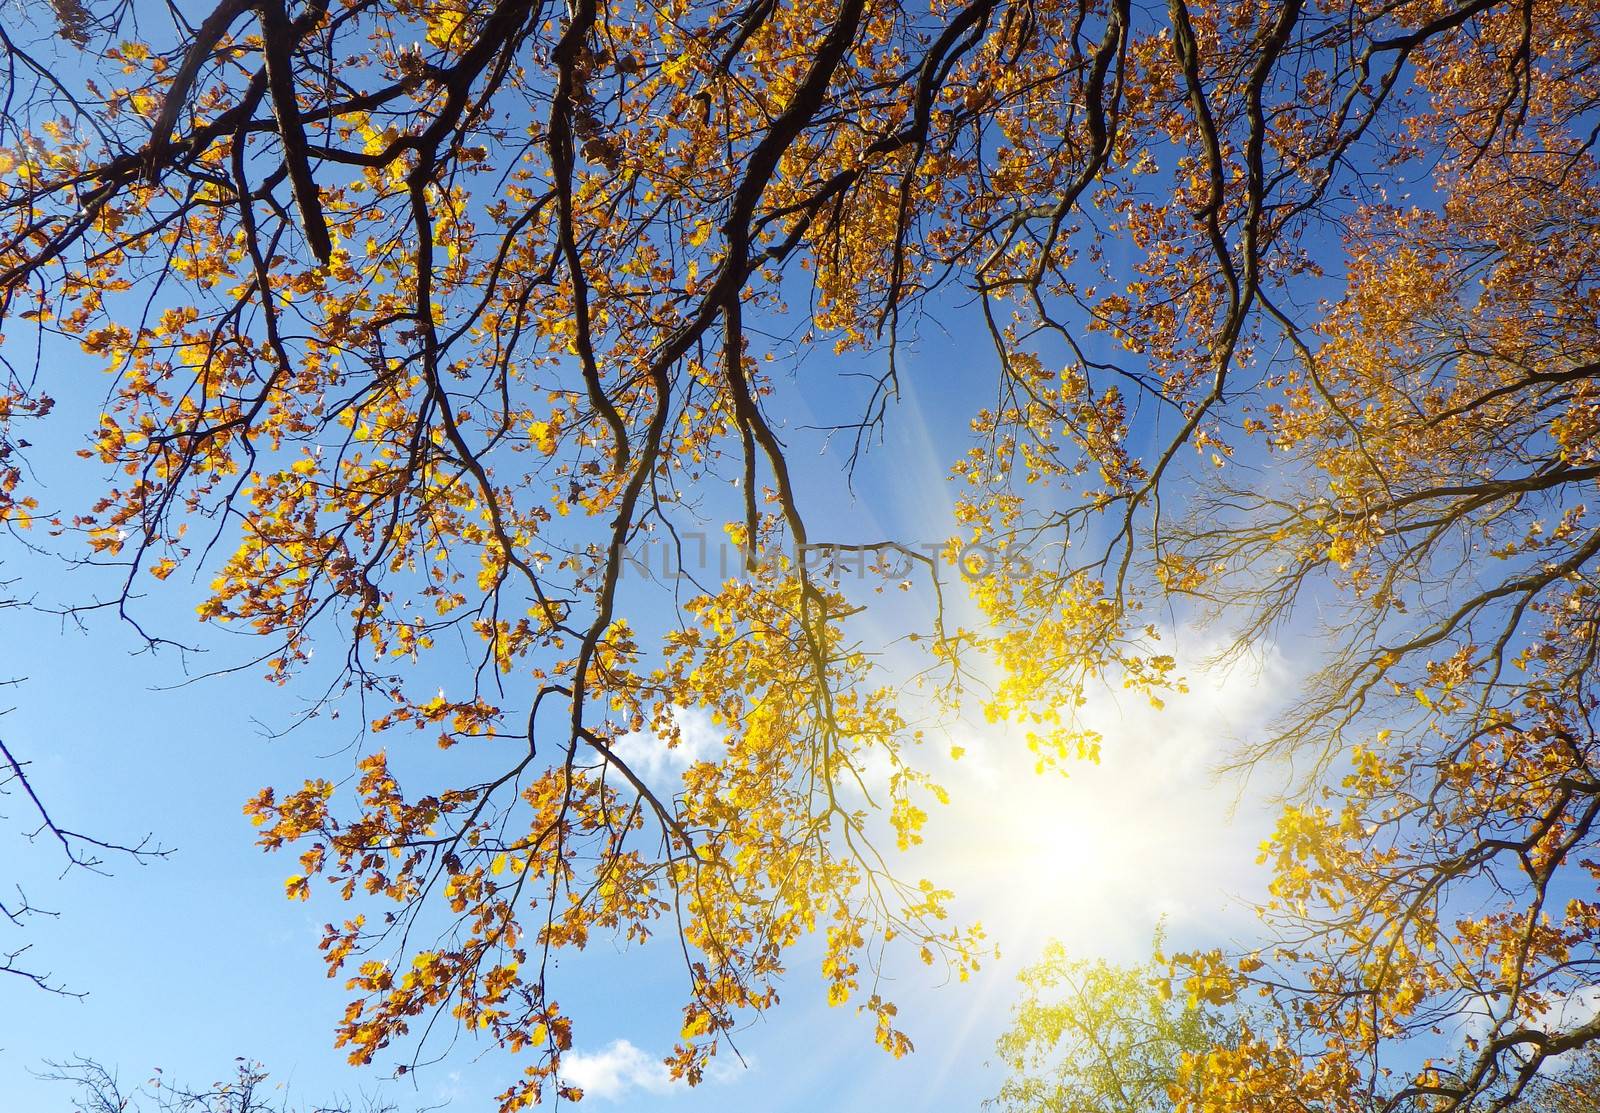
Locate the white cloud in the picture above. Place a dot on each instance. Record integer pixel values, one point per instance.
(1573, 1010)
(615, 1072)
(654, 761)
(1479, 1017)
(621, 1069)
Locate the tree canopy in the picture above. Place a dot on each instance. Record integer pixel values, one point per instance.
(1090, 1037)
(419, 314)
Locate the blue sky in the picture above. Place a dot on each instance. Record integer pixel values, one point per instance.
(196, 959)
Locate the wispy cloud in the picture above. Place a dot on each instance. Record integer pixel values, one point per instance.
(620, 1070)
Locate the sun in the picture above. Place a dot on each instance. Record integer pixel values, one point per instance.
(1098, 855)
(1056, 853)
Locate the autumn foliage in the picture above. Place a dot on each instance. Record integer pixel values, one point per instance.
(419, 314)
